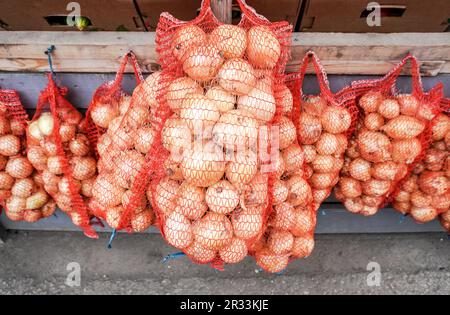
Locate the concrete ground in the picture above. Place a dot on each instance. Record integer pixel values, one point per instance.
(36, 263)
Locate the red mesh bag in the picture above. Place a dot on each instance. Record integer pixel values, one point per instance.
(21, 189)
(60, 150)
(392, 135)
(324, 124)
(425, 193)
(110, 101)
(220, 92)
(123, 137)
(445, 216)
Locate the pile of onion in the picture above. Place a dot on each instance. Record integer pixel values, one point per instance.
(21, 188)
(60, 151)
(213, 193)
(322, 130)
(127, 135)
(426, 192)
(387, 143)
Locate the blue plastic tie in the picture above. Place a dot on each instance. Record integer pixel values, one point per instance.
(402, 218)
(281, 272)
(323, 212)
(173, 256)
(111, 238)
(48, 52)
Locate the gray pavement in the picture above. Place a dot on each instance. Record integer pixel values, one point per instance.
(36, 263)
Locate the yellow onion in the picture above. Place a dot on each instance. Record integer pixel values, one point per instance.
(176, 135)
(350, 188)
(107, 192)
(37, 200)
(23, 188)
(336, 119)
(280, 242)
(237, 76)
(441, 127)
(287, 102)
(260, 101)
(303, 246)
(404, 127)
(179, 89)
(287, 132)
(223, 100)
(191, 201)
(304, 222)
(203, 167)
(46, 124)
(247, 223)
(213, 231)
(354, 205)
(6, 181)
(186, 37)
(299, 191)
(242, 168)
(9, 145)
(126, 167)
(408, 104)
(323, 180)
(324, 163)
(199, 113)
(423, 214)
(389, 108)
(433, 183)
(19, 167)
(283, 216)
(231, 40)
(293, 157)
(141, 221)
(373, 121)
(79, 146)
(222, 197)
(83, 167)
(271, 262)
(166, 193)
(234, 252)
(263, 48)
(370, 101)
(202, 62)
(280, 192)
(143, 141)
(360, 169)
(406, 150)
(376, 187)
(309, 129)
(199, 254)
(374, 146)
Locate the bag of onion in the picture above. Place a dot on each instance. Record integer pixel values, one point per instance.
(58, 148)
(110, 101)
(391, 137)
(425, 193)
(324, 124)
(126, 131)
(21, 188)
(221, 90)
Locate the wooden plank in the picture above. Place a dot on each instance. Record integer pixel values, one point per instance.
(340, 53)
(222, 10)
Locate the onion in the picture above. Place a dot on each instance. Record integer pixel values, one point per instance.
(410, 184)
(304, 222)
(86, 187)
(263, 48)
(324, 163)
(403, 207)
(186, 37)
(303, 246)
(327, 144)
(419, 199)
(199, 254)
(79, 146)
(374, 146)
(37, 200)
(64, 202)
(354, 205)
(213, 231)
(179, 89)
(423, 214)
(34, 131)
(283, 216)
(120, 136)
(287, 132)
(426, 112)
(360, 169)
(293, 157)
(376, 187)
(231, 40)
(237, 76)
(166, 194)
(203, 167)
(314, 105)
(441, 202)
(69, 115)
(234, 252)
(48, 209)
(260, 101)
(202, 62)
(147, 91)
(124, 104)
(176, 135)
(403, 196)
(107, 192)
(271, 262)
(368, 211)
(323, 180)
(299, 191)
(236, 129)
(223, 100)
(287, 101)
(222, 197)
(46, 124)
(441, 127)
(191, 201)
(173, 168)
(247, 223)
(242, 168)
(50, 181)
(280, 242)
(103, 113)
(385, 170)
(15, 208)
(23, 188)
(127, 167)
(433, 183)
(310, 152)
(9, 145)
(31, 216)
(83, 167)
(258, 190)
(199, 113)
(137, 116)
(404, 127)
(350, 188)
(145, 136)
(371, 101)
(336, 119)
(373, 121)
(65, 183)
(113, 216)
(309, 129)
(406, 150)
(408, 104)
(319, 195)
(353, 149)
(433, 160)
(389, 108)
(280, 192)
(67, 132)
(141, 221)
(19, 167)
(6, 181)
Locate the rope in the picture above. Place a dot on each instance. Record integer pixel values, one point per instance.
(49, 52)
(111, 238)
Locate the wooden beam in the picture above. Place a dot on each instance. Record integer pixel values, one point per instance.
(222, 10)
(340, 53)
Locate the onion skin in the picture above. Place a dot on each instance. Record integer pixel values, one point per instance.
(433, 183)
(370, 101)
(19, 167)
(375, 187)
(404, 127)
(263, 48)
(213, 231)
(350, 188)
(408, 104)
(234, 252)
(271, 262)
(222, 197)
(186, 37)
(406, 150)
(283, 216)
(280, 242)
(202, 62)
(360, 169)
(9, 145)
(336, 119)
(231, 40)
(309, 129)
(389, 108)
(247, 223)
(303, 246)
(199, 254)
(374, 146)
(237, 76)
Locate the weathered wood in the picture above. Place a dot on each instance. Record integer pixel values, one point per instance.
(340, 53)
(222, 10)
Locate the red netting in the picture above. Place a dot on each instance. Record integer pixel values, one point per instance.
(425, 193)
(121, 127)
(220, 96)
(21, 192)
(324, 124)
(392, 135)
(59, 149)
